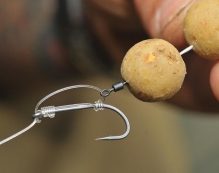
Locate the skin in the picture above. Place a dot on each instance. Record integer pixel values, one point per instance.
(214, 79)
(118, 25)
(26, 43)
(159, 19)
(166, 18)
(208, 78)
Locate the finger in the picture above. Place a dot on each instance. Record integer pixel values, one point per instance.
(214, 80)
(164, 18)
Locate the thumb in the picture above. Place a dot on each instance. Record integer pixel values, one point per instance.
(164, 18)
(214, 80)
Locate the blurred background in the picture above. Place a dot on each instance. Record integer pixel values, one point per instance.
(47, 45)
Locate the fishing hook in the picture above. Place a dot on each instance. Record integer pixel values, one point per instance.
(50, 111)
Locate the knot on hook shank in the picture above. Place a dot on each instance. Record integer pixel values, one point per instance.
(98, 105)
(48, 111)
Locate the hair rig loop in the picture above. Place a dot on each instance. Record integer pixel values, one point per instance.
(50, 111)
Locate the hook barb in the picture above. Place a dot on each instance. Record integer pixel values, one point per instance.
(49, 111)
(125, 119)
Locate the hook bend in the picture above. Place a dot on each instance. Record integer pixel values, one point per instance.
(50, 111)
(125, 119)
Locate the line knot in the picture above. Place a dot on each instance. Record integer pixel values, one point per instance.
(98, 105)
(48, 111)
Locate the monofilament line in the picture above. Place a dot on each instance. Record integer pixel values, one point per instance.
(186, 50)
(19, 133)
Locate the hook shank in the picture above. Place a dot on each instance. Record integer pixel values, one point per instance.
(50, 112)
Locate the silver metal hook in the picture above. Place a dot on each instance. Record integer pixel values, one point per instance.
(49, 111)
(65, 89)
(125, 119)
(98, 105)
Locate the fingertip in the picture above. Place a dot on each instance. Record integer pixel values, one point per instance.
(214, 80)
(163, 18)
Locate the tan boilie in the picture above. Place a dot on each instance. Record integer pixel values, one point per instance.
(153, 69)
(201, 28)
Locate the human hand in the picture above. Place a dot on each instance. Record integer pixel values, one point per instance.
(164, 19)
(160, 19)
